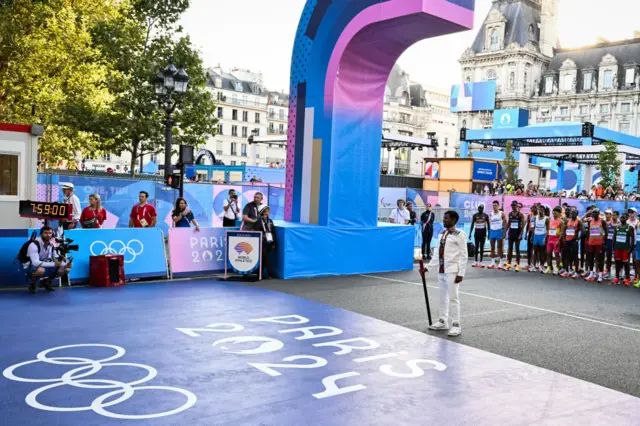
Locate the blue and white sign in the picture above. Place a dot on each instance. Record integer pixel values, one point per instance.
(510, 118)
(478, 96)
(244, 251)
(143, 250)
(484, 171)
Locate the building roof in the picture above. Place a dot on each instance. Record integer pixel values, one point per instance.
(398, 83)
(626, 51)
(520, 15)
(230, 82)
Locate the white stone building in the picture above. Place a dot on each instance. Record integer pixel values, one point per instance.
(277, 125)
(405, 113)
(517, 46)
(242, 111)
(443, 122)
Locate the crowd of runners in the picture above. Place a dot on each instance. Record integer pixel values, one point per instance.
(560, 242)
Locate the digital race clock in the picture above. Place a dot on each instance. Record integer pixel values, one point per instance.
(44, 210)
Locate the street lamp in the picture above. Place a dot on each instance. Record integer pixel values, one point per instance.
(167, 82)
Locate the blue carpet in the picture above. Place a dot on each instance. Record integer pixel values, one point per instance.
(211, 353)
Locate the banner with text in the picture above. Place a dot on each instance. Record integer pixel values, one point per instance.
(192, 252)
(244, 251)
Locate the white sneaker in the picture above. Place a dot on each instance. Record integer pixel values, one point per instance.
(439, 325)
(455, 330)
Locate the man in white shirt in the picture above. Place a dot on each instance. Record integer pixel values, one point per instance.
(451, 261)
(400, 215)
(231, 210)
(41, 261)
(71, 198)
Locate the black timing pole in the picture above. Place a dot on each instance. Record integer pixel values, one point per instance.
(424, 286)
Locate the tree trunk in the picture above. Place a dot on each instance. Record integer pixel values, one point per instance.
(134, 154)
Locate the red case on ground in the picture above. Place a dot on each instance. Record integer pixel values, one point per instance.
(106, 270)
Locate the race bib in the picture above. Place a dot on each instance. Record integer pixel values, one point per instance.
(621, 238)
(515, 225)
(496, 226)
(571, 232)
(480, 225)
(553, 232)
(269, 237)
(594, 232)
(610, 236)
(540, 231)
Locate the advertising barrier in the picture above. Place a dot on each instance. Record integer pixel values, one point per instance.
(470, 203)
(485, 171)
(244, 252)
(10, 242)
(143, 251)
(192, 252)
(527, 202)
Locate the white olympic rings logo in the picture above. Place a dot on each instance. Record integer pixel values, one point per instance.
(87, 367)
(118, 247)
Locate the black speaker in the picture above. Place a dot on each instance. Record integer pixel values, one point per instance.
(186, 155)
(463, 134)
(114, 270)
(587, 130)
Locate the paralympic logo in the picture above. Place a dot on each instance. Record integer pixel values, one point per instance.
(131, 250)
(84, 367)
(243, 247)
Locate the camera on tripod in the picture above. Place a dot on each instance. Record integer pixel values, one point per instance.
(64, 248)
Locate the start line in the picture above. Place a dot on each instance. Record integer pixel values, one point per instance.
(207, 352)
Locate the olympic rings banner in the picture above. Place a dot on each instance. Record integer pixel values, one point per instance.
(192, 252)
(143, 251)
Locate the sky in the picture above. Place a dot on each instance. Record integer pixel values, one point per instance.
(258, 35)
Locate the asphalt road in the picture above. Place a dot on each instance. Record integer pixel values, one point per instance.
(585, 330)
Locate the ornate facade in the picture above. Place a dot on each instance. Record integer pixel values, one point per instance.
(517, 47)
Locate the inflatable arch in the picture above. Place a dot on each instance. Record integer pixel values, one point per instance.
(343, 54)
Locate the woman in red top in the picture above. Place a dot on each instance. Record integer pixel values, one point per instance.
(93, 216)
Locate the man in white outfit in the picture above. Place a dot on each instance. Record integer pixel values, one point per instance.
(451, 261)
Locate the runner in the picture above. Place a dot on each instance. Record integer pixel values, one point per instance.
(556, 228)
(634, 222)
(497, 224)
(612, 222)
(570, 235)
(583, 239)
(597, 235)
(479, 222)
(516, 228)
(636, 254)
(531, 220)
(623, 243)
(541, 229)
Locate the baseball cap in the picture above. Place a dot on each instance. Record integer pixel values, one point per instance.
(67, 185)
(633, 209)
(609, 211)
(262, 208)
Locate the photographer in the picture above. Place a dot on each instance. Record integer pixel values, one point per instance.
(231, 210)
(41, 262)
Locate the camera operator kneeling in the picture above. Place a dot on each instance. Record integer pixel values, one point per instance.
(42, 262)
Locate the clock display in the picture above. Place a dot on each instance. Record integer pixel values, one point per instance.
(44, 210)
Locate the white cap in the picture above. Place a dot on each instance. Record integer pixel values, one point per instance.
(67, 185)
(608, 211)
(262, 208)
(633, 209)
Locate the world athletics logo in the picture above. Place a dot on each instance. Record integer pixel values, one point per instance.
(243, 247)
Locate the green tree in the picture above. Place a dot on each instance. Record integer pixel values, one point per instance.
(139, 44)
(510, 163)
(52, 74)
(609, 165)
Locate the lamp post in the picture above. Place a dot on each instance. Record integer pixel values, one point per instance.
(168, 82)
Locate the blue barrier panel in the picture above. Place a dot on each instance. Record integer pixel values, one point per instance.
(10, 242)
(276, 202)
(199, 197)
(192, 252)
(143, 250)
(164, 201)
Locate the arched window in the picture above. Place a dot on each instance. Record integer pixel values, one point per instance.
(491, 75)
(495, 38)
(531, 31)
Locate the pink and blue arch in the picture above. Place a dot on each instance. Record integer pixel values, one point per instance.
(343, 54)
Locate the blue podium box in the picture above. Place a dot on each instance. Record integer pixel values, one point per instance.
(305, 251)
